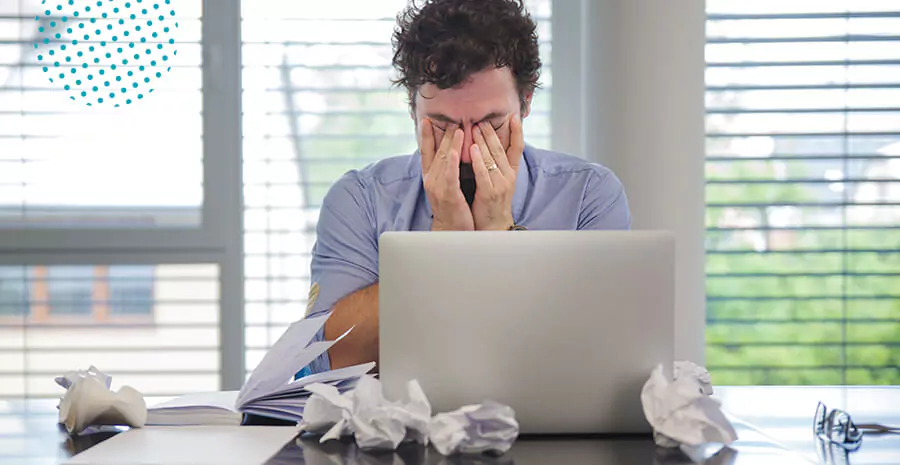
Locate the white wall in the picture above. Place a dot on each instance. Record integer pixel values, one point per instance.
(643, 117)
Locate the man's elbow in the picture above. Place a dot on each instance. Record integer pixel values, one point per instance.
(360, 312)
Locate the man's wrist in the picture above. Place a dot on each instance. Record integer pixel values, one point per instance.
(501, 225)
(440, 226)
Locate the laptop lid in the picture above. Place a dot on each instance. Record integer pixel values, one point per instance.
(563, 326)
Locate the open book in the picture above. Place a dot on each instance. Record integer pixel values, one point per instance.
(271, 390)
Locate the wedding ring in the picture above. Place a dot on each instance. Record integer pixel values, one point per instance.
(492, 167)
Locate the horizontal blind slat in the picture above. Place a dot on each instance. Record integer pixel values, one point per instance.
(790, 63)
(767, 16)
(788, 40)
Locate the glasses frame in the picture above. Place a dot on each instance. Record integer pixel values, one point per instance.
(836, 427)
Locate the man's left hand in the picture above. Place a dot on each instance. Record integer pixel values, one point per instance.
(495, 170)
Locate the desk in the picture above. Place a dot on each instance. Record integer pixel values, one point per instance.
(775, 428)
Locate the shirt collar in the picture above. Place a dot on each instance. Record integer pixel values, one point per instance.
(523, 183)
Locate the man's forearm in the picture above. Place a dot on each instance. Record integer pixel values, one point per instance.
(359, 309)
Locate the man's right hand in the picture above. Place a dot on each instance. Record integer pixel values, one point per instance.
(440, 177)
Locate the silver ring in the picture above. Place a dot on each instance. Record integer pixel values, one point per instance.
(492, 167)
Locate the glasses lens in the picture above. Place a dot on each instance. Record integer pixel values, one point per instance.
(819, 420)
(842, 431)
(853, 434)
(838, 425)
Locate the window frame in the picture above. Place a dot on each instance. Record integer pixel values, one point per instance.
(208, 236)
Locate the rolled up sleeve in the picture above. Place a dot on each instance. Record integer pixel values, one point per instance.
(345, 254)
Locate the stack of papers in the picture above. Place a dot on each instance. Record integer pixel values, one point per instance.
(204, 408)
(287, 401)
(271, 390)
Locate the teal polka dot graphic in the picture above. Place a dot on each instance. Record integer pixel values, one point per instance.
(88, 37)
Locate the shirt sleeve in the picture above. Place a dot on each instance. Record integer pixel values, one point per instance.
(605, 205)
(345, 254)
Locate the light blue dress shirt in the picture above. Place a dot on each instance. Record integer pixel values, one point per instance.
(553, 192)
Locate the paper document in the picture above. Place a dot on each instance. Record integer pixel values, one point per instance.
(189, 445)
(281, 361)
(327, 377)
(271, 390)
(203, 408)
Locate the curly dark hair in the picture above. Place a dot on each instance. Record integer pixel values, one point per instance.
(444, 42)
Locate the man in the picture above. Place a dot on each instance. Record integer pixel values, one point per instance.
(470, 68)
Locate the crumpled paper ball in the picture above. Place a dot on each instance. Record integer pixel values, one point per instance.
(89, 403)
(690, 370)
(681, 411)
(375, 422)
(68, 379)
(474, 429)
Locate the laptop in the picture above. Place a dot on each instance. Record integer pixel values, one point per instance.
(563, 326)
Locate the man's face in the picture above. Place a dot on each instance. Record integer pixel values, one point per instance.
(488, 96)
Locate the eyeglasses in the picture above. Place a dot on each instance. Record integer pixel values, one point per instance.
(836, 427)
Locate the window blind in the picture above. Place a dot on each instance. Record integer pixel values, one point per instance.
(60, 159)
(803, 191)
(317, 103)
(154, 327)
(150, 322)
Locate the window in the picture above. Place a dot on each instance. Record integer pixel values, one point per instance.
(120, 243)
(130, 290)
(98, 294)
(152, 327)
(13, 292)
(60, 159)
(317, 103)
(111, 244)
(803, 191)
(69, 290)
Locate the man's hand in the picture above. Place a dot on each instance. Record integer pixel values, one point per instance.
(440, 176)
(495, 175)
